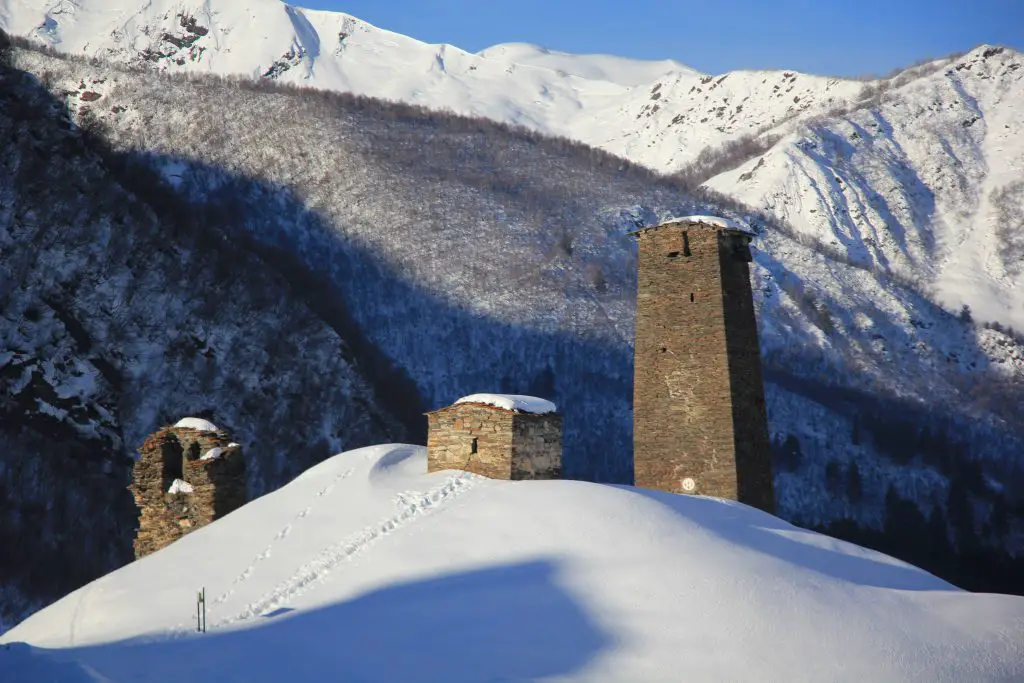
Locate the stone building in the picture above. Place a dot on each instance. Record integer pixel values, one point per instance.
(699, 419)
(187, 476)
(498, 436)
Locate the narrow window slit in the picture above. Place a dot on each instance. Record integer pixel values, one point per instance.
(691, 297)
(473, 446)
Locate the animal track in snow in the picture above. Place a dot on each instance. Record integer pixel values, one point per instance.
(282, 534)
(412, 506)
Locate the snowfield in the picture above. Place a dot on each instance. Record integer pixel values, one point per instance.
(367, 569)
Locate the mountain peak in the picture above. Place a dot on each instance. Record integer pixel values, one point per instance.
(599, 67)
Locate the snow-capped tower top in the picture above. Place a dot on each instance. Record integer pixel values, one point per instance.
(726, 224)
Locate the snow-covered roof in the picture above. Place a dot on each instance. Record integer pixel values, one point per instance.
(717, 221)
(513, 402)
(180, 486)
(196, 423)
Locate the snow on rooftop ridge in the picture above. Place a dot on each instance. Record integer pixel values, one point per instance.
(513, 402)
(718, 221)
(180, 486)
(196, 423)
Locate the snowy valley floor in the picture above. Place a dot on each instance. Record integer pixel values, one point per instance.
(367, 569)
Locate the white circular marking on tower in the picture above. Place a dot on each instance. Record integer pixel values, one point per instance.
(689, 484)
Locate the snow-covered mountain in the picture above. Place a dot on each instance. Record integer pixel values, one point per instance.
(943, 161)
(660, 114)
(366, 568)
(928, 184)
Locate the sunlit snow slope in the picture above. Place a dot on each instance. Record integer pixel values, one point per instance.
(658, 113)
(929, 184)
(366, 568)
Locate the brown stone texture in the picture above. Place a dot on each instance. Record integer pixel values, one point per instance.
(218, 485)
(509, 445)
(698, 404)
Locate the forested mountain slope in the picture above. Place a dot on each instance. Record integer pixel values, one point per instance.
(121, 310)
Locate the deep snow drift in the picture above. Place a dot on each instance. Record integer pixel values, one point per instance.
(365, 568)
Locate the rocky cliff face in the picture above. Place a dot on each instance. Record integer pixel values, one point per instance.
(120, 308)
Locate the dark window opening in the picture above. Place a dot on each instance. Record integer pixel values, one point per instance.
(663, 349)
(686, 244)
(173, 465)
(473, 447)
(672, 254)
(691, 297)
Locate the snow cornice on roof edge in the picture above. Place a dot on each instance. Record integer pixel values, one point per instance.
(717, 222)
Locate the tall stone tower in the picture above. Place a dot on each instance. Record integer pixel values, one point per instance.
(699, 419)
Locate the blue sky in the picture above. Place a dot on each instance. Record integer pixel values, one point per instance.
(841, 37)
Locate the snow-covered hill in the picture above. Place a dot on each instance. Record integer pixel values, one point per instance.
(366, 568)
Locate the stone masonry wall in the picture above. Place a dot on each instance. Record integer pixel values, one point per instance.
(754, 479)
(508, 445)
(218, 485)
(536, 446)
(692, 398)
(450, 437)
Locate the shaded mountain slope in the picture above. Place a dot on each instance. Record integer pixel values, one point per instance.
(121, 310)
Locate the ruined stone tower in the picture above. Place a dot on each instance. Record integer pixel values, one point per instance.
(699, 420)
(498, 436)
(187, 476)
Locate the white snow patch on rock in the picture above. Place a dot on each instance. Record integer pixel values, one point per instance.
(180, 486)
(213, 453)
(513, 402)
(196, 423)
